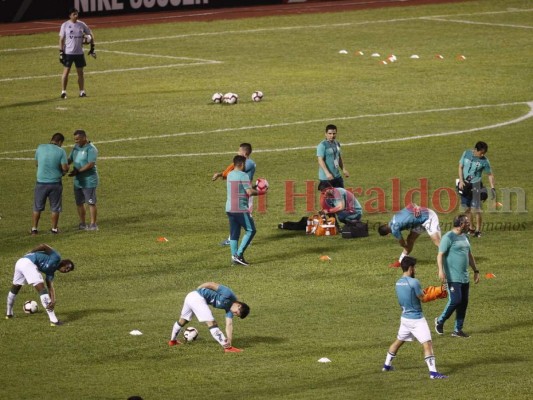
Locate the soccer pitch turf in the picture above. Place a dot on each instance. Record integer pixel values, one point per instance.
(403, 126)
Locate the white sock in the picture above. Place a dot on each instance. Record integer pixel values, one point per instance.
(390, 358)
(10, 301)
(402, 256)
(218, 335)
(430, 361)
(45, 300)
(176, 329)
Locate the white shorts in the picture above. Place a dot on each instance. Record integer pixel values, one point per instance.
(431, 226)
(26, 272)
(195, 304)
(411, 329)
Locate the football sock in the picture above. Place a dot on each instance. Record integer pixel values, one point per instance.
(390, 358)
(234, 245)
(218, 335)
(430, 361)
(45, 300)
(10, 301)
(176, 329)
(402, 256)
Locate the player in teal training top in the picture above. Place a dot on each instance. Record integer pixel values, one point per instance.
(416, 219)
(28, 269)
(197, 303)
(245, 149)
(471, 166)
(453, 260)
(342, 203)
(330, 161)
(83, 158)
(413, 325)
(51, 161)
(239, 189)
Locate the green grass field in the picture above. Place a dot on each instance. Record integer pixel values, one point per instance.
(160, 139)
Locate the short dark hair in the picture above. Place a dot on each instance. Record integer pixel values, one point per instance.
(73, 10)
(237, 160)
(330, 126)
(245, 309)
(58, 137)
(407, 262)
(384, 230)
(459, 220)
(481, 146)
(79, 132)
(66, 261)
(247, 147)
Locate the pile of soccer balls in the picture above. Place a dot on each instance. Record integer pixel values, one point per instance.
(233, 98)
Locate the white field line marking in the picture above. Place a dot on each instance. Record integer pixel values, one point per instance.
(109, 71)
(460, 21)
(159, 56)
(280, 28)
(406, 138)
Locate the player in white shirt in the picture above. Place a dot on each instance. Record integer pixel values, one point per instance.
(71, 37)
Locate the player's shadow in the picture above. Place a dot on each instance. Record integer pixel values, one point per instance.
(28, 103)
(81, 314)
(250, 341)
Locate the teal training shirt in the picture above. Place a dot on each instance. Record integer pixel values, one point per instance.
(331, 153)
(406, 219)
(46, 263)
(473, 167)
(351, 204)
(49, 158)
(249, 168)
(236, 196)
(223, 298)
(408, 289)
(81, 156)
(455, 249)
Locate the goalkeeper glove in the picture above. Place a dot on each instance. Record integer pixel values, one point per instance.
(62, 57)
(91, 52)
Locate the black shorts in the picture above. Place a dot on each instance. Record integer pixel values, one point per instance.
(77, 59)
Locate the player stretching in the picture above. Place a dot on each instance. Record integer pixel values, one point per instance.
(197, 302)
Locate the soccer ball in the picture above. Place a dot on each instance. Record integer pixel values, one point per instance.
(257, 95)
(217, 98)
(230, 98)
(30, 307)
(261, 184)
(190, 334)
(87, 39)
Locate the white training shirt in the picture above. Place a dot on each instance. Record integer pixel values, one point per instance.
(73, 33)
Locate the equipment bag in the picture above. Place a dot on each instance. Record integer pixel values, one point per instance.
(355, 230)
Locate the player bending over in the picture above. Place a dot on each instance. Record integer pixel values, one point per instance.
(197, 303)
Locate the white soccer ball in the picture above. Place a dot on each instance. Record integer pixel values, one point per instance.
(30, 307)
(230, 98)
(190, 334)
(87, 39)
(257, 95)
(217, 98)
(261, 184)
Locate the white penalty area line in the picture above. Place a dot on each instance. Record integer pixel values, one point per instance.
(461, 21)
(109, 71)
(282, 28)
(528, 115)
